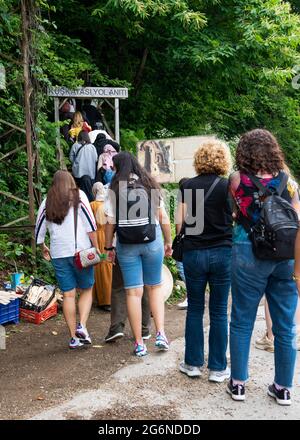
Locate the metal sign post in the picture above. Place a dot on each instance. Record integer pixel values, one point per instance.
(117, 121)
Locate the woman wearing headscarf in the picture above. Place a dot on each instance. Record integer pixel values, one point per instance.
(103, 270)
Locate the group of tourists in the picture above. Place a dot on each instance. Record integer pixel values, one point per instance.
(238, 234)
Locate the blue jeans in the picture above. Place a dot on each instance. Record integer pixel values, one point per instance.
(212, 266)
(251, 279)
(180, 269)
(141, 264)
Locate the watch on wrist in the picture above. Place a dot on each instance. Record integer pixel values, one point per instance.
(109, 248)
(296, 277)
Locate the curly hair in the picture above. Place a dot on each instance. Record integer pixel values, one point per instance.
(258, 150)
(213, 157)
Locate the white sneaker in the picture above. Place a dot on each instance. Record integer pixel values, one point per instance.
(219, 376)
(82, 334)
(189, 370)
(75, 343)
(183, 305)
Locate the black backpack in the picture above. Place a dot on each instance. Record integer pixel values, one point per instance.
(135, 217)
(273, 236)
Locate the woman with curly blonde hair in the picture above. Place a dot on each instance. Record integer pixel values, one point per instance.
(206, 214)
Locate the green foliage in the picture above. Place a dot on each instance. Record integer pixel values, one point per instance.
(130, 138)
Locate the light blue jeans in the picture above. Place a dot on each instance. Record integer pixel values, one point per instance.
(141, 264)
(251, 279)
(180, 269)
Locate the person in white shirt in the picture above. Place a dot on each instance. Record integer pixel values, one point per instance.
(57, 213)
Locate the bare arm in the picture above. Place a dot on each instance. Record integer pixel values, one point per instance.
(45, 252)
(94, 240)
(296, 203)
(109, 236)
(166, 230)
(109, 232)
(180, 216)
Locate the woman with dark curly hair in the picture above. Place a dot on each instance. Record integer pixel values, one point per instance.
(259, 154)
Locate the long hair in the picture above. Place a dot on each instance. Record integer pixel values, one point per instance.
(77, 120)
(126, 164)
(62, 194)
(258, 150)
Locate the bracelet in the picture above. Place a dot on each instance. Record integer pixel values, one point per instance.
(109, 248)
(296, 278)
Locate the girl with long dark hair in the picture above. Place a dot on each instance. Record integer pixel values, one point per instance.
(57, 214)
(140, 256)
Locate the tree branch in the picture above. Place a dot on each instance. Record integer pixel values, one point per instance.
(10, 196)
(13, 126)
(139, 75)
(13, 151)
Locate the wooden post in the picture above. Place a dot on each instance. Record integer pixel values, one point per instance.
(25, 11)
(59, 152)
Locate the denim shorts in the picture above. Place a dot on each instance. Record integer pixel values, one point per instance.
(141, 264)
(69, 277)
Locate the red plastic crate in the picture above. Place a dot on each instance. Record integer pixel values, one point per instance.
(38, 317)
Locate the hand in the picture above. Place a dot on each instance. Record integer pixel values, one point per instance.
(46, 253)
(298, 287)
(111, 256)
(168, 250)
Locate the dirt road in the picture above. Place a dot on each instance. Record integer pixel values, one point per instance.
(41, 379)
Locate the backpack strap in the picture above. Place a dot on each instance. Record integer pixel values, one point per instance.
(266, 191)
(284, 180)
(245, 222)
(255, 180)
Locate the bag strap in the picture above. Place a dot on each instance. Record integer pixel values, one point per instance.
(212, 187)
(75, 224)
(266, 191)
(283, 183)
(210, 190)
(79, 149)
(255, 180)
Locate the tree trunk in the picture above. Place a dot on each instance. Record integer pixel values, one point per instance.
(26, 10)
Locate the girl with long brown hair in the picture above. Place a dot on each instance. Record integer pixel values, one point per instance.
(57, 214)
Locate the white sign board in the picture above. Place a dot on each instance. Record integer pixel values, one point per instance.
(169, 160)
(88, 92)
